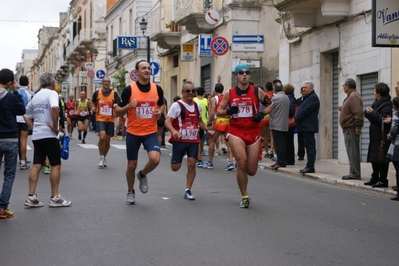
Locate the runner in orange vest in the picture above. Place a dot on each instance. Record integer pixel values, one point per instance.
(143, 102)
(104, 101)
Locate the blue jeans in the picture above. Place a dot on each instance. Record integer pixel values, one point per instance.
(10, 152)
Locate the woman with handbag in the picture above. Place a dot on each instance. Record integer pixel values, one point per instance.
(380, 109)
(393, 151)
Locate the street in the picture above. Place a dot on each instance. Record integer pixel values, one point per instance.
(292, 221)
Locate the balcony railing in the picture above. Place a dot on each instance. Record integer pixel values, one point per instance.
(187, 7)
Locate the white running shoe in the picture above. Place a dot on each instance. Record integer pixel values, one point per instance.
(33, 203)
(143, 183)
(188, 195)
(58, 201)
(130, 199)
(101, 162)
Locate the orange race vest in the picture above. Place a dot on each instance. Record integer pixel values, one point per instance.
(105, 110)
(141, 120)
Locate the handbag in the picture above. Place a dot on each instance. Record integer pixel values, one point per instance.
(382, 149)
(64, 147)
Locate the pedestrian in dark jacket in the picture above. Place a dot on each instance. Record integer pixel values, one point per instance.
(380, 109)
(393, 152)
(290, 148)
(307, 122)
(301, 148)
(11, 105)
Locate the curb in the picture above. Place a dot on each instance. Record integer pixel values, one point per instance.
(331, 180)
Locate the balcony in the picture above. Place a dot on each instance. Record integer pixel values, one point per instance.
(166, 36)
(191, 14)
(81, 44)
(311, 13)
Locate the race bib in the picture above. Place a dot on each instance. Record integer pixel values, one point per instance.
(145, 109)
(84, 113)
(105, 109)
(189, 132)
(244, 110)
(71, 112)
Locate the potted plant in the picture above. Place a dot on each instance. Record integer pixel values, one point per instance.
(172, 26)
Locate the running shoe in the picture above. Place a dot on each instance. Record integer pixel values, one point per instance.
(101, 162)
(33, 203)
(46, 170)
(188, 195)
(200, 165)
(204, 153)
(83, 141)
(143, 182)
(215, 154)
(245, 200)
(105, 162)
(24, 166)
(229, 166)
(4, 214)
(208, 165)
(224, 150)
(130, 199)
(58, 201)
(113, 137)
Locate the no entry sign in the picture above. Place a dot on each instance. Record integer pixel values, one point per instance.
(219, 46)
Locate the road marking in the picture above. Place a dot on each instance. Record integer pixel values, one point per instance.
(88, 146)
(119, 146)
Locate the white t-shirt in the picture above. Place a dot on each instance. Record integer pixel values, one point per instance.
(175, 110)
(39, 109)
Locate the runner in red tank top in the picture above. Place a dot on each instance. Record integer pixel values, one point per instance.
(244, 131)
(184, 122)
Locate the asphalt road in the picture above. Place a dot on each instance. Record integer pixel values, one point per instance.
(292, 221)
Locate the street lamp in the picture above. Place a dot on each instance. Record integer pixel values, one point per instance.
(143, 28)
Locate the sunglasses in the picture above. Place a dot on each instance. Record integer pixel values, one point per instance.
(244, 72)
(188, 91)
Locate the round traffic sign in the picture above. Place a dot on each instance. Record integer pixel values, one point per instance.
(219, 46)
(154, 68)
(100, 74)
(90, 73)
(133, 75)
(212, 17)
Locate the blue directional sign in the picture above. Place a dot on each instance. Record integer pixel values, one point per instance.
(248, 39)
(100, 74)
(204, 43)
(154, 68)
(127, 42)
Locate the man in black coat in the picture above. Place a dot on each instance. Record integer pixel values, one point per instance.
(307, 121)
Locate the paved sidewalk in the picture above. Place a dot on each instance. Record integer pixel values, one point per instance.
(331, 171)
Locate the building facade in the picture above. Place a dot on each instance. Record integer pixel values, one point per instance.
(328, 41)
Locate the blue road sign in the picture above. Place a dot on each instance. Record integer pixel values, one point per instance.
(205, 44)
(100, 74)
(154, 68)
(127, 42)
(248, 39)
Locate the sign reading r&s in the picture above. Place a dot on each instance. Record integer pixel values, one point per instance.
(127, 42)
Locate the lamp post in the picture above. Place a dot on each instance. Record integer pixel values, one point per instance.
(143, 28)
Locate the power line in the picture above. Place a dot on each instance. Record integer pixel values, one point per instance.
(34, 21)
